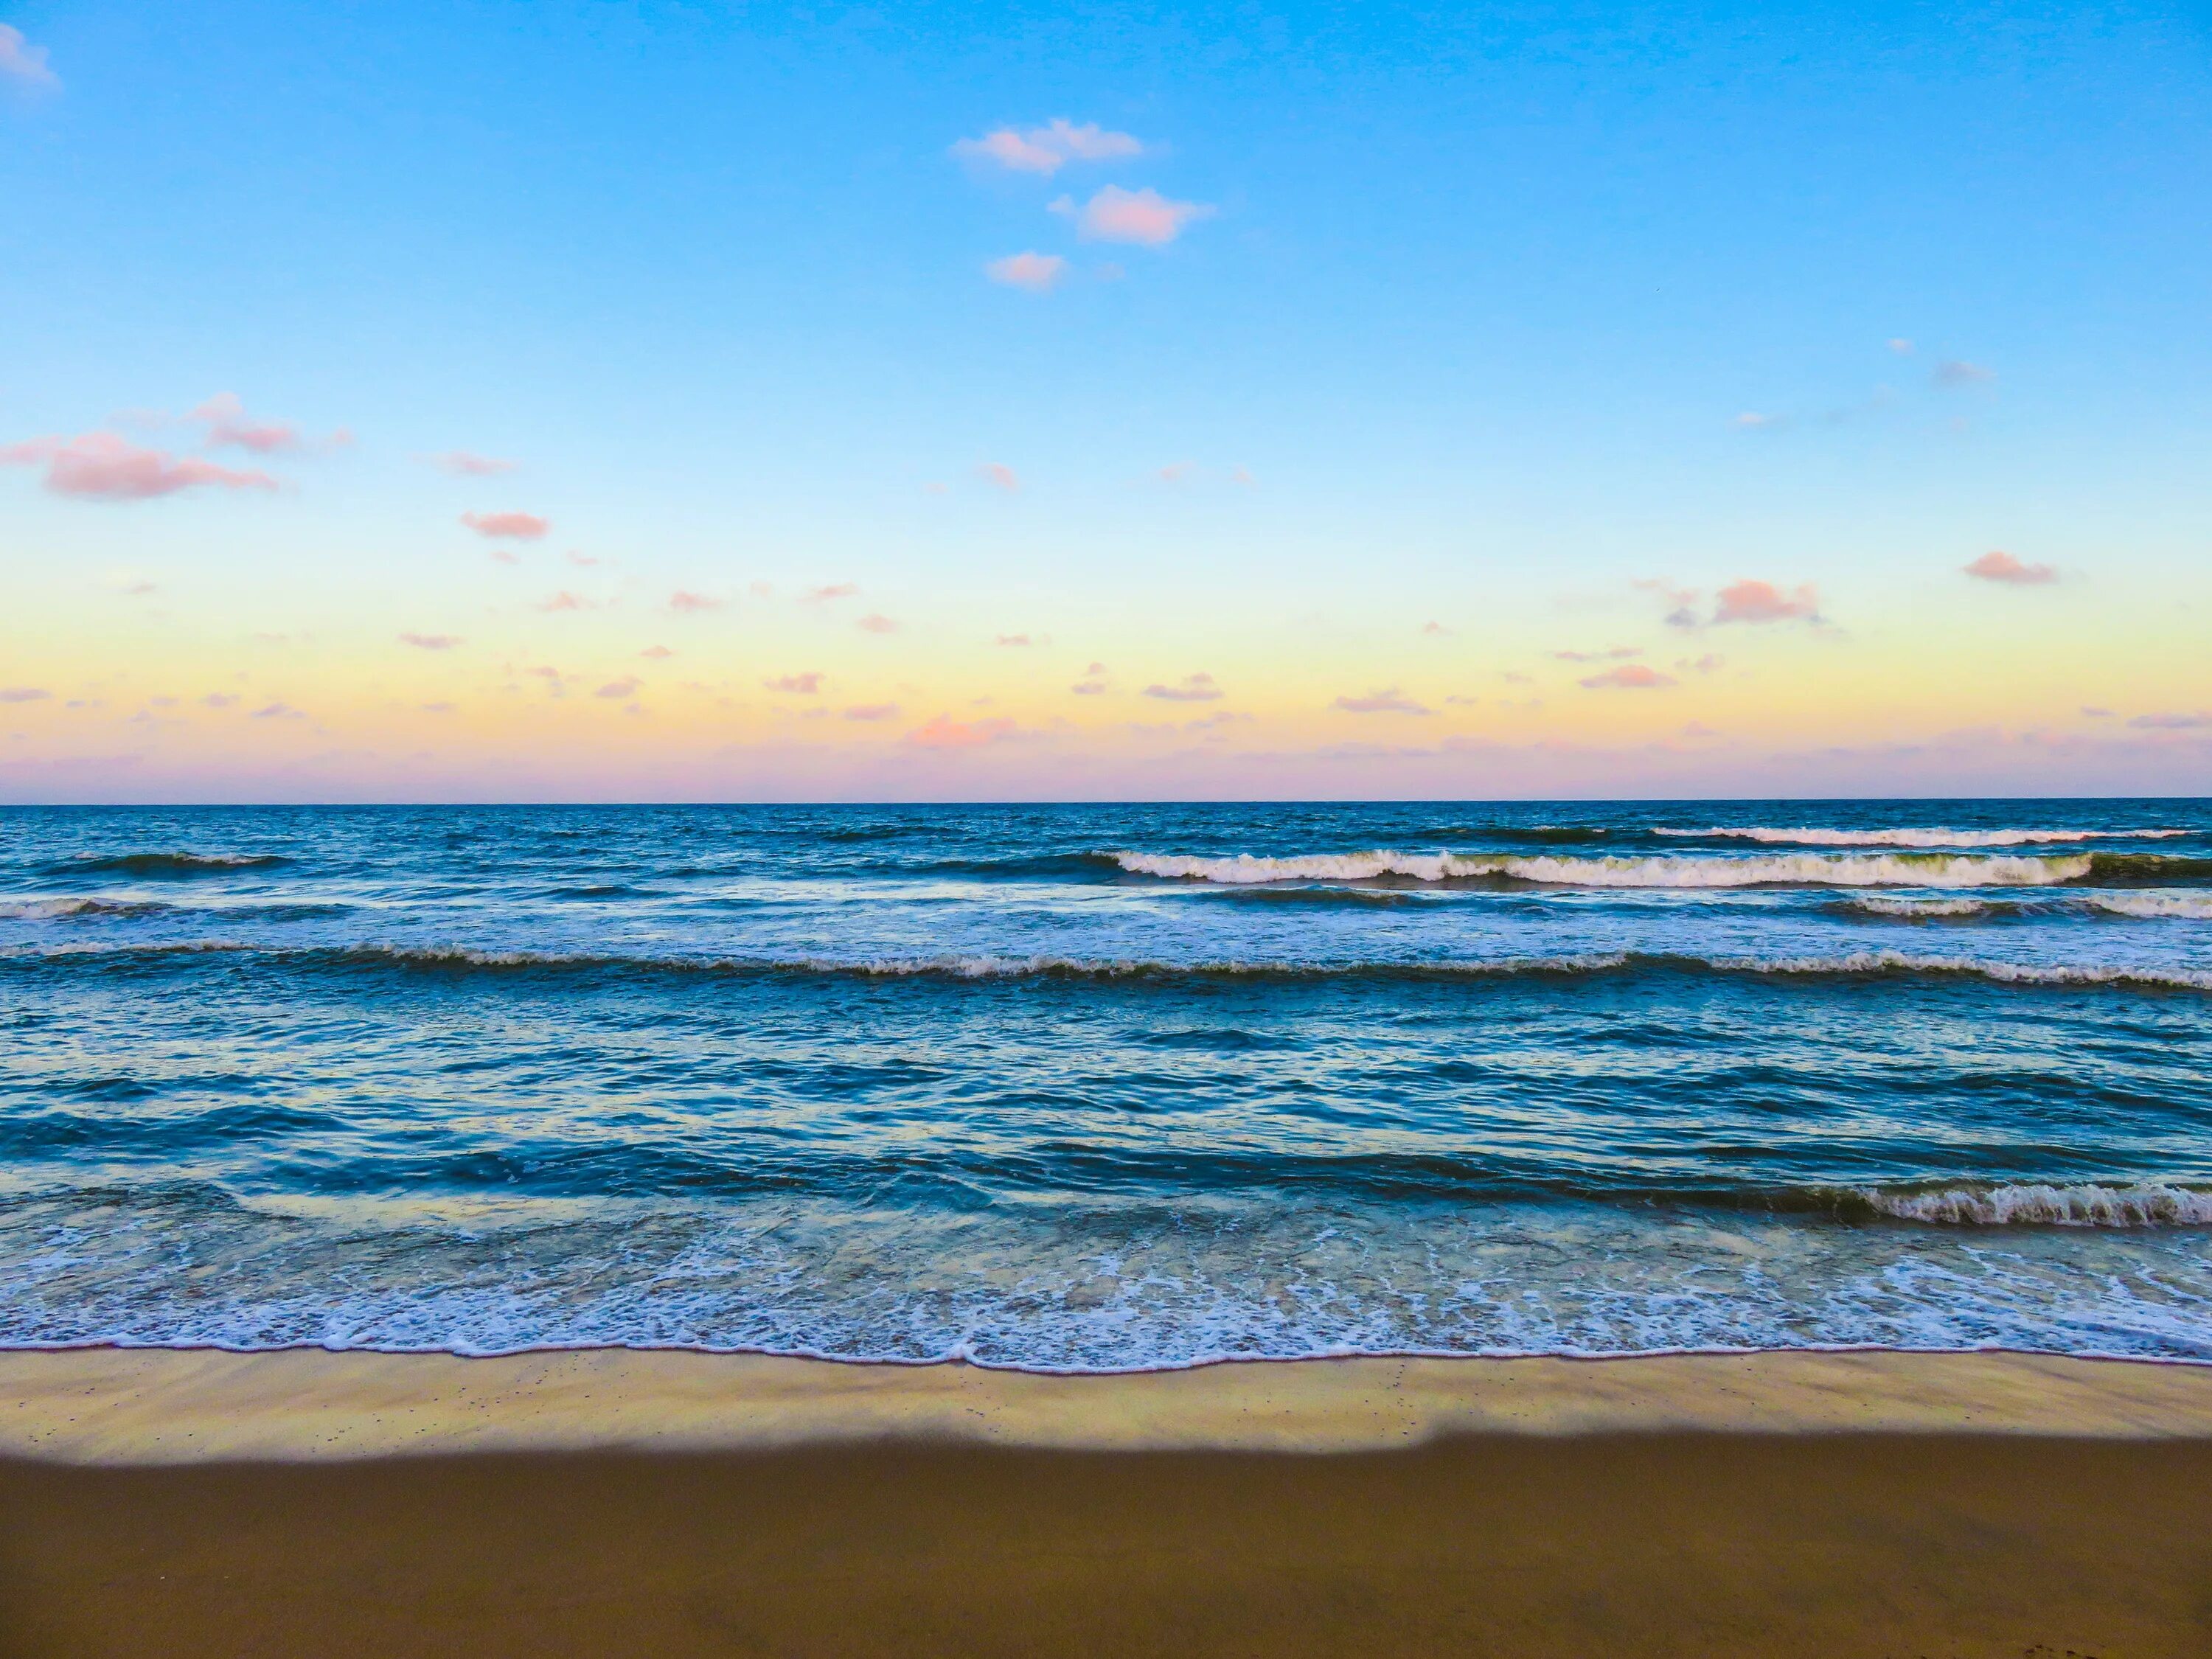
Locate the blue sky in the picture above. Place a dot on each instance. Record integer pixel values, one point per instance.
(1498, 310)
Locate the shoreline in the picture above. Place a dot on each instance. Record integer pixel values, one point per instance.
(203, 1505)
(142, 1406)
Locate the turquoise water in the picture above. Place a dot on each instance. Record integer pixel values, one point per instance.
(1111, 1086)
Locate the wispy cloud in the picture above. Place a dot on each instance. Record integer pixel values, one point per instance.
(430, 641)
(1387, 701)
(799, 685)
(1012, 639)
(508, 526)
(1750, 420)
(1900, 345)
(1036, 272)
(1956, 373)
(1143, 217)
(870, 711)
(466, 464)
(2196, 722)
(24, 64)
(1635, 676)
(946, 732)
(1000, 475)
(686, 603)
(564, 600)
(1999, 567)
(1750, 601)
(1193, 688)
(832, 591)
(24, 694)
(1618, 653)
(1434, 629)
(1046, 150)
(657, 652)
(228, 426)
(614, 689)
(102, 466)
(876, 622)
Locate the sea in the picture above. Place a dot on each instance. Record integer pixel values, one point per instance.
(1111, 1087)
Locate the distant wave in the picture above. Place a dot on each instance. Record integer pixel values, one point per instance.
(1932, 837)
(1917, 909)
(59, 909)
(2148, 1205)
(170, 864)
(2195, 907)
(464, 958)
(1669, 870)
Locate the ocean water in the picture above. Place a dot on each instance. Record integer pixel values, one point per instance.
(1105, 1087)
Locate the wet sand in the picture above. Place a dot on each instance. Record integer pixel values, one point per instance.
(680, 1504)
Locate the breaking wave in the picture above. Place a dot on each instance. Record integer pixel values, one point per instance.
(2194, 907)
(171, 864)
(464, 958)
(2148, 1205)
(1929, 837)
(60, 910)
(1784, 870)
(1917, 910)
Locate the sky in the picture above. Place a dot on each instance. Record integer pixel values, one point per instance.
(554, 401)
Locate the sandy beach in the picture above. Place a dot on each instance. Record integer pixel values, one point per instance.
(198, 1503)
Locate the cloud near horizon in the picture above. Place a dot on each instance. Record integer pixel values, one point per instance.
(1036, 272)
(1142, 216)
(1044, 151)
(946, 732)
(2000, 567)
(1635, 676)
(509, 526)
(1194, 688)
(1390, 700)
(102, 466)
(1750, 601)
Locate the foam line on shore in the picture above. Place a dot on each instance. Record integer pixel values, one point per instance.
(111, 1406)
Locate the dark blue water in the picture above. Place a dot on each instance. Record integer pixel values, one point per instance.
(1111, 1086)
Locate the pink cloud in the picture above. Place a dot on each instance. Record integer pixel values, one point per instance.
(504, 556)
(946, 732)
(1177, 471)
(1047, 148)
(1038, 272)
(872, 711)
(1388, 702)
(1749, 601)
(876, 622)
(24, 694)
(25, 64)
(688, 603)
(1089, 689)
(1013, 639)
(1000, 475)
(625, 687)
(225, 418)
(1435, 629)
(1636, 677)
(582, 561)
(799, 685)
(101, 466)
(1997, 566)
(564, 600)
(277, 711)
(508, 526)
(656, 652)
(430, 641)
(834, 591)
(466, 464)
(1194, 688)
(1143, 217)
(220, 699)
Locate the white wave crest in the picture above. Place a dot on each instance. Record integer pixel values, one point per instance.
(56, 909)
(2008, 973)
(2193, 906)
(1929, 837)
(1686, 871)
(1922, 906)
(2149, 1205)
